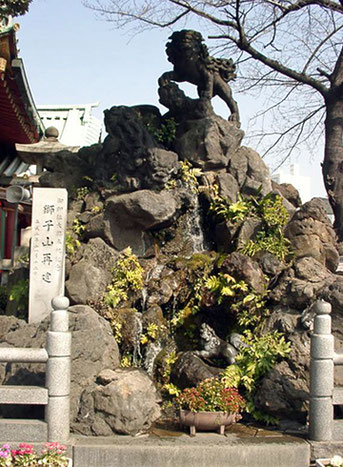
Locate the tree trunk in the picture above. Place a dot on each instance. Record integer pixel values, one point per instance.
(333, 160)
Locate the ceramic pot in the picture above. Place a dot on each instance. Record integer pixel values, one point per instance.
(207, 421)
(322, 462)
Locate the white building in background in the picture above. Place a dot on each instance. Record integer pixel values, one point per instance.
(75, 123)
(301, 182)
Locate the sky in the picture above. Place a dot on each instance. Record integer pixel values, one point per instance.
(73, 57)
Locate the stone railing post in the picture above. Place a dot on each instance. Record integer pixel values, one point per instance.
(321, 375)
(58, 372)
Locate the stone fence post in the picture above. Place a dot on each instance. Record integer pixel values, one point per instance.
(58, 372)
(321, 374)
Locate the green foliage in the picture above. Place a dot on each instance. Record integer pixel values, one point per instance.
(116, 329)
(81, 193)
(168, 387)
(96, 209)
(153, 333)
(192, 306)
(272, 214)
(24, 259)
(197, 269)
(224, 210)
(251, 310)
(72, 244)
(20, 294)
(73, 237)
(171, 389)
(276, 244)
(211, 395)
(78, 228)
(166, 134)
(126, 361)
(127, 276)
(253, 363)
(239, 297)
(224, 285)
(188, 176)
(169, 361)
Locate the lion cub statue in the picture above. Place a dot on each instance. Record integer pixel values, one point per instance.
(214, 346)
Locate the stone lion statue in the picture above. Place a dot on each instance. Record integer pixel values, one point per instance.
(214, 346)
(192, 63)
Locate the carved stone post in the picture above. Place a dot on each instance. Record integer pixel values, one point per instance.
(58, 372)
(321, 375)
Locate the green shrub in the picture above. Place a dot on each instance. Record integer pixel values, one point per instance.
(20, 294)
(269, 209)
(127, 276)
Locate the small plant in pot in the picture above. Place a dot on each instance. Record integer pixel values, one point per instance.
(211, 405)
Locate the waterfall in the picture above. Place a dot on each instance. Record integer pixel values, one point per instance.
(137, 332)
(195, 232)
(153, 349)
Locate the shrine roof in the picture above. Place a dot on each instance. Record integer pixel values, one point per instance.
(19, 119)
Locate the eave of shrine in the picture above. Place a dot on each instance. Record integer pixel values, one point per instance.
(19, 119)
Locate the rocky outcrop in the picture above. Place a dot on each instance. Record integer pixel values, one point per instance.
(283, 394)
(244, 268)
(311, 234)
(301, 284)
(289, 192)
(208, 143)
(93, 349)
(251, 173)
(130, 155)
(140, 195)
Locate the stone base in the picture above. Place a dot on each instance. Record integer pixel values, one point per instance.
(13, 430)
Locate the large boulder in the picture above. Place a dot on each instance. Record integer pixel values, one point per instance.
(284, 391)
(93, 349)
(311, 234)
(208, 142)
(145, 208)
(108, 226)
(227, 185)
(130, 153)
(65, 169)
(124, 401)
(283, 394)
(289, 192)
(301, 284)
(128, 217)
(251, 173)
(189, 370)
(89, 277)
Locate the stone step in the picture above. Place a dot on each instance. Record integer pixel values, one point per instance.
(203, 450)
(337, 396)
(13, 430)
(32, 395)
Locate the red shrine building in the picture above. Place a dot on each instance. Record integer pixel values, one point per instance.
(19, 123)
